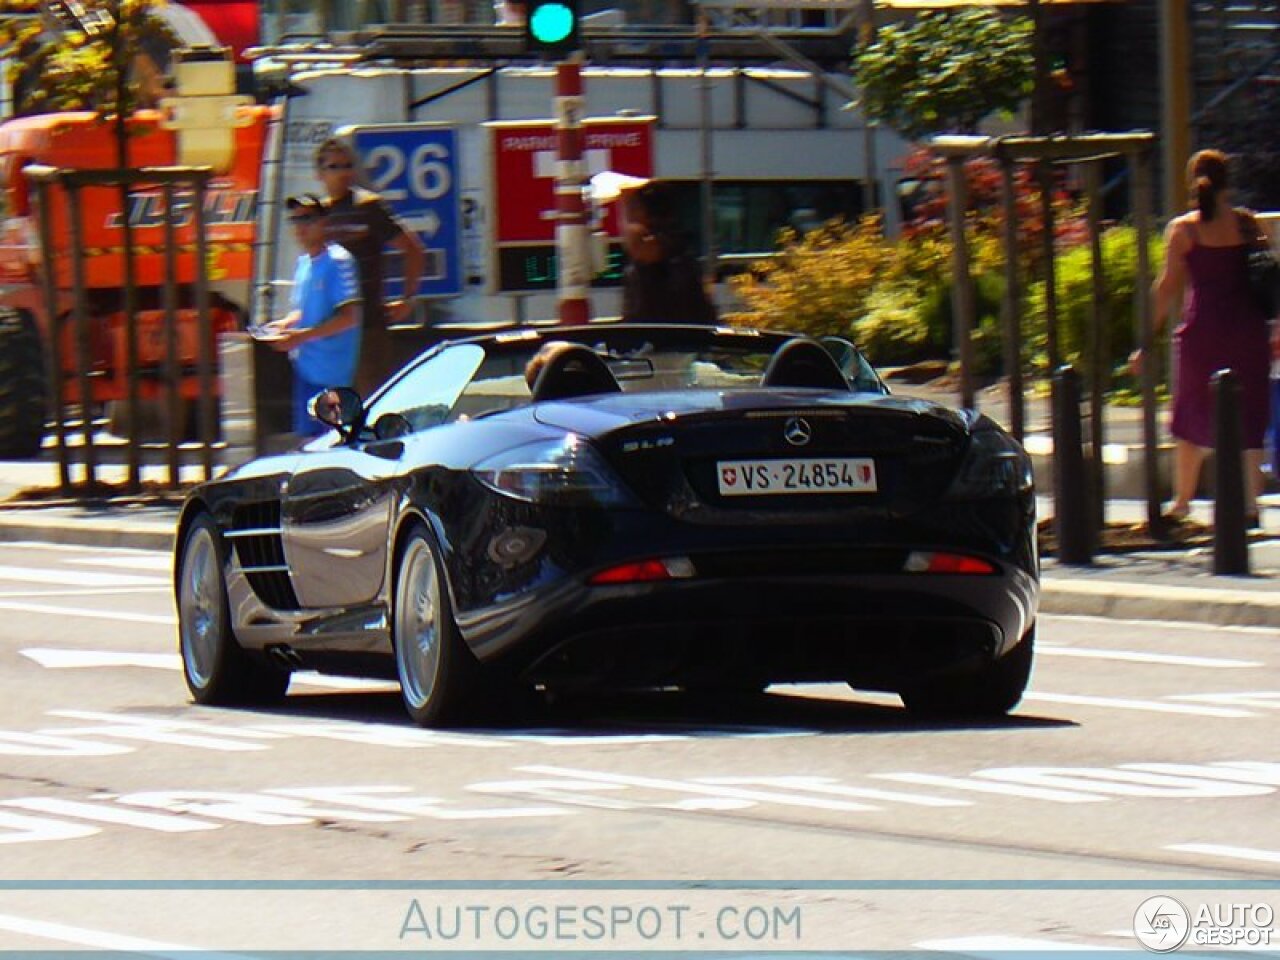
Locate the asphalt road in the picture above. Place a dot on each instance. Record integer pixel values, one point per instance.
(1143, 761)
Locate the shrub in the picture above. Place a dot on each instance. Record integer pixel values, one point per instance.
(893, 331)
(818, 283)
(1074, 273)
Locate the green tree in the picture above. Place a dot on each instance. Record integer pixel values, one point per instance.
(945, 72)
(75, 56)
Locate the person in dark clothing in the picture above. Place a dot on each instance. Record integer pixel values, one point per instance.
(662, 282)
(361, 221)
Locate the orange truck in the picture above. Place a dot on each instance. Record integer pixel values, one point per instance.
(83, 141)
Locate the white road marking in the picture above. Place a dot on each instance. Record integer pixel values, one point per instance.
(1162, 625)
(1125, 782)
(1225, 850)
(165, 823)
(981, 786)
(95, 939)
(1244, 771)
(828, 785)
(57, 611)
(1261, 699)
(161, 563)
(309, 678)
(1134, 656)
(585, 736)
(67, 659)
(681, 786)
(1122, 703)
(85, 578)
(998, 944)
(382, 736)
(26, 545)
(18, 828)
(56, 659)
(96, 592)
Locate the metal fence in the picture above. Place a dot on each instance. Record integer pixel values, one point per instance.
(76, 326)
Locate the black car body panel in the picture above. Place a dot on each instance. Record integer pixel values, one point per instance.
(811, 586)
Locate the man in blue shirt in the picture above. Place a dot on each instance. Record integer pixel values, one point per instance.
(322, 331)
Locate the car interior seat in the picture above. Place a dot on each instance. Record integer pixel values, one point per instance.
(804, 363)
(575, 371)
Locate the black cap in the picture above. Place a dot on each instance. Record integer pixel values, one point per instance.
(306, 205)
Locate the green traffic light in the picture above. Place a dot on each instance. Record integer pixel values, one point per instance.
(551, 23)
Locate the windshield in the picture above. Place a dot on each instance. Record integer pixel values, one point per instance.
(469, 380)
(736, 363)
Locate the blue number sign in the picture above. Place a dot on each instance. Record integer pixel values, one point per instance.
(414, 167)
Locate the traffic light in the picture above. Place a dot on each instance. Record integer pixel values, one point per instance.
(551, 26)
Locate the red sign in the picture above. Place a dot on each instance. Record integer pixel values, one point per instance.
(524, 171)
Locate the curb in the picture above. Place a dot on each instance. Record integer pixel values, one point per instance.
(1134, 601)
(88, 532)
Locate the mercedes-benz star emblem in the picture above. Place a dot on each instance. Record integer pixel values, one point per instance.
(797, 431)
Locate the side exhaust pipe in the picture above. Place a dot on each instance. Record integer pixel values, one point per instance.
(285, 657)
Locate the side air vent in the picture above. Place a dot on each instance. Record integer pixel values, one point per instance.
(256, 535)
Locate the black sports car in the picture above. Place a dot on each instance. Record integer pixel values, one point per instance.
(667, 506)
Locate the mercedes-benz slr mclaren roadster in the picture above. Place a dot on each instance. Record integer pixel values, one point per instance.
(666, 507)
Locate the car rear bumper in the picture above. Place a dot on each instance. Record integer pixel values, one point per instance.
(875, 631)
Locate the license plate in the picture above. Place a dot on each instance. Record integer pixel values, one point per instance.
(753, 478)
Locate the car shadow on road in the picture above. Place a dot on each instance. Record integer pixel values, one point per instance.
(778, 711)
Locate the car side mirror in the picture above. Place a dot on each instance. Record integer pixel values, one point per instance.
(391, 426)
(338, 407)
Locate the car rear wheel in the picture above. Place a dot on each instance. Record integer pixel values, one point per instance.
(435, 668)
(217, 669)
(990, 692)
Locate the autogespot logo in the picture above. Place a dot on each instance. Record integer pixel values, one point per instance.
(1161, 924)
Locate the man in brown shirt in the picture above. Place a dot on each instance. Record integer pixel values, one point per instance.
(361, 221)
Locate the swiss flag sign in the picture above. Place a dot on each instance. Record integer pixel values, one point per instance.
(524, 170)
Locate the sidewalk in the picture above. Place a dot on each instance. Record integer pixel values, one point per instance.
(1171, 585)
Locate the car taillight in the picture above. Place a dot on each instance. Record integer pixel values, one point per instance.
(565, 471)
(645, 571)
(922, 561)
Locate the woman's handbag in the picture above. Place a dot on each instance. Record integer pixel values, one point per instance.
(1264, 269)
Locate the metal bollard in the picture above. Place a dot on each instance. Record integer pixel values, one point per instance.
(1071, 516)
(1230, 541)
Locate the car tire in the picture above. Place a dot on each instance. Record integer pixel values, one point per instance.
(437, 672)
(217, 669)
(990, 692)
(22, 386)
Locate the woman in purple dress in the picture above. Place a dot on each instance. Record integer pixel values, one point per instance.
(1221, 328)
